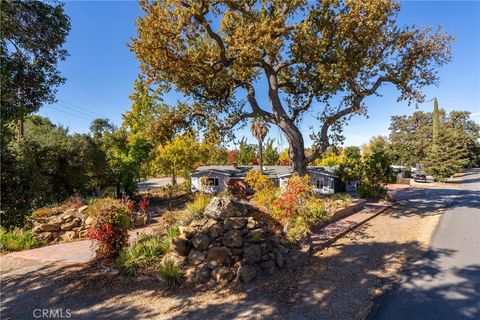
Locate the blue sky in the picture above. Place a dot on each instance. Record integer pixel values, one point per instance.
(100, 70)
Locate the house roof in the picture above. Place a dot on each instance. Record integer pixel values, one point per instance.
(270, 171)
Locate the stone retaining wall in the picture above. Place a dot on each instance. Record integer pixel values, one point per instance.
(231, 241)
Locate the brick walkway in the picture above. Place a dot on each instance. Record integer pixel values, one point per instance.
(70, 252)
(327, 235)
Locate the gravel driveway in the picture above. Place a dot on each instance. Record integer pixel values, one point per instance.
(339, 282)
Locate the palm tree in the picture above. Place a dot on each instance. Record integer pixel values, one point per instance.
(259, 129)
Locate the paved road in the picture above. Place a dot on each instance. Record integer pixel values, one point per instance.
(445, 283)
(155, 183)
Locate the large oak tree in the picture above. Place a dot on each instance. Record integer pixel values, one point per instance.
(325, 57)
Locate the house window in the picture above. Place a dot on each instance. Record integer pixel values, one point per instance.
(212, 182)
(319, 183)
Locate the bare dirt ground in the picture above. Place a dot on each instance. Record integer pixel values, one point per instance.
(339, 282)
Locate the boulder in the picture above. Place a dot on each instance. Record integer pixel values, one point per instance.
(222, 275)
(186, 232)
(68, 216)
(279, 259)
(83, 233)
(247, 273)
(196, 257)
(233, 238)
(48, 227)
(235, 223)
(175, 258)
(195, 275)
(68, 226)
(256, 235)
(210, 223)
(267, 266)
(46, 236)
(221, 255)
(89, 220)
(252, 254)
(225, 207)
(69, 236)
(251, 223)
(181, 246)
(216, 231)
(201, 241)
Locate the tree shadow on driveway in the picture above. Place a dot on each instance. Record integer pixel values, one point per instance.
(338, 285)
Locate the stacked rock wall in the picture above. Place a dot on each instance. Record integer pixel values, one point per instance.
(64, 226)
(230, 241)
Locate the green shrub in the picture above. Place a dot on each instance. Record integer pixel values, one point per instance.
(196, 207)
(112, 218)
(172, 232)
(17, 240)
(169, 272)
(141, 254)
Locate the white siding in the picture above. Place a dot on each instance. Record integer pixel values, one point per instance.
(222, 184)
(328, 183)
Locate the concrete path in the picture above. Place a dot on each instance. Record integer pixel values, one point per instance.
(445, 283)
(81, 251)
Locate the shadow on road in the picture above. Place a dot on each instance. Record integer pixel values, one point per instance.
(327, 287)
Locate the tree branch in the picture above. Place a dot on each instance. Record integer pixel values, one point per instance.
(305, 105)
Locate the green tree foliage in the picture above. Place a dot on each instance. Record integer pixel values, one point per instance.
(335, 52)
(412, 143)
(47, 166)
(270, 153)
(448, 155)
(247, 154)
(351, 167)
(373, 170)
(436, 122)
(376, 174)
(31, 45)
(178, 157)
(411, 137)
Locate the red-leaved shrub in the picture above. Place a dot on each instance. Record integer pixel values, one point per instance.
(112, 219)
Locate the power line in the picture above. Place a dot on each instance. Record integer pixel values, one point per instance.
(72, 114)
(89, 102)
(81, 108)
(93, 92)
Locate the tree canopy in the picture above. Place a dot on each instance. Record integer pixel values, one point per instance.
(31, 45)
(218, 52)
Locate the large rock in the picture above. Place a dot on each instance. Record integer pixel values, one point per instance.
(233, 238)
(247, 273)
(221, 255)
(69, 226)
(186, 232)
(252, 254)
(89, 220)
(222, 275)
(216, 231)
(196, 257)
(175, 258)
(48, 227)
(194, 275)
(201, 241)
(256, 235)
(69, 236)
(181, 246)
(235, 223)
(279, 259)
(221, 208)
